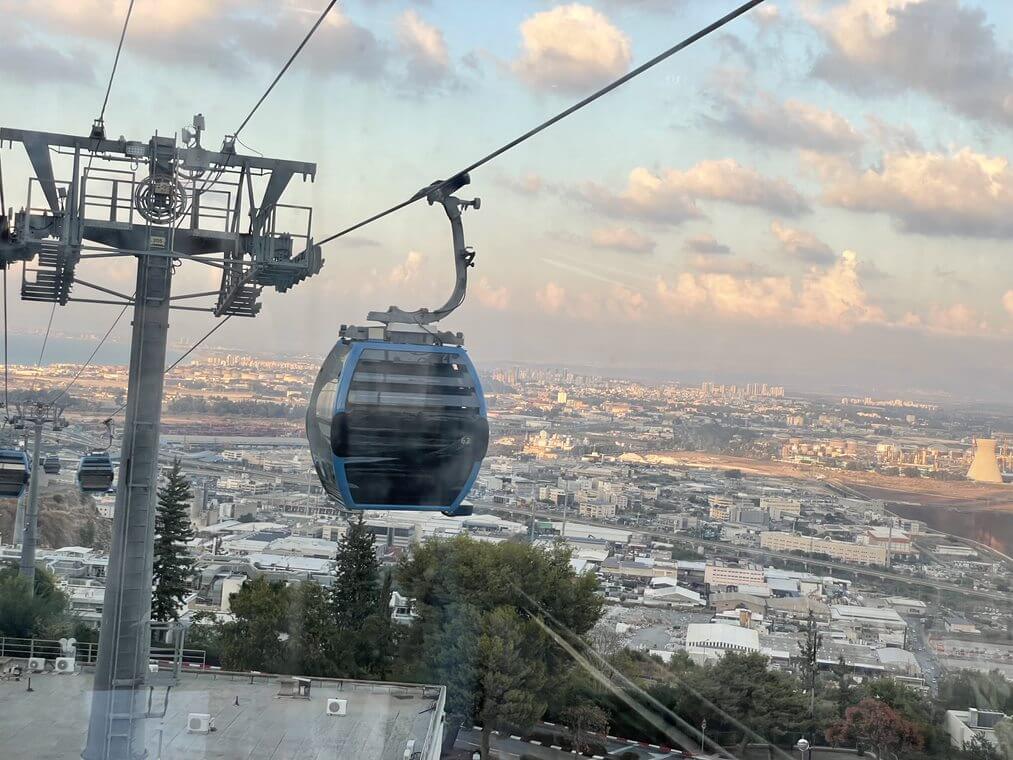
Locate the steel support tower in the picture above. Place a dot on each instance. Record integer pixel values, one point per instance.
(164, 201)
(36, 417)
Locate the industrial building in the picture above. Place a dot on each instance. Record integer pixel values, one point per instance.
(861, 554)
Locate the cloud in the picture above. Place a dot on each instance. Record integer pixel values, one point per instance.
(942, 48)
(705, 245)
(1007, 302)
(529, 183)
(765, 16)
(624, 239)
(833, 297)
(34, 62)
(571, 48)
(726, 265)
(836, 297)
(425, 49)
(228, 36)
(963, 193)
(957, 318)
(787, 124)
(489, 296)
(408, 270)
(892, 138)
(669, 197)
(802, 245)
(551, 298)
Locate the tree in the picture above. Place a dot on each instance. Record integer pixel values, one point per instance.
(584, 722)
(172, 566)
(1004, 735)
(312, 628)
(42, 614)
(253, 641)
(878, 724)
(980, 748)
(511, 681)
(458, 586)
(354, 593)
(843, 697)
(809, 651)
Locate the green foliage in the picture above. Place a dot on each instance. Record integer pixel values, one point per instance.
(477, 603)
(584, 722)
(27, 615)
(253, 641)
(1004, 735)
(970, 688)
(980, 748)
(354, 595)
(173, 566)
(510, 680)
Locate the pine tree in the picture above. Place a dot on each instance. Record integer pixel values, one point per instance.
(172, 566)
(355, 595)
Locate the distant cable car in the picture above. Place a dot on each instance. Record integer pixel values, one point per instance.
(397, 418)
(15, 472)
(95, 472)
(51, 465)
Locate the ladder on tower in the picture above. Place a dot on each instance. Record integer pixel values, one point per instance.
(52, 277)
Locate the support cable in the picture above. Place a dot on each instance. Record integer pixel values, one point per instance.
(84, 366)
(45, 339)
(288, 63)
(116, 60)
(696, 37)
(178, 361)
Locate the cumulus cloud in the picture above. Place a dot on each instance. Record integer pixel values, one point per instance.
(832, 297)
(942, 48)
(787, 124)
(963, 193)
(893, 138)
(624, 239)
(424, 48)
(490, 296)
(227, 36)
(835, 297)
(571, 48)
(801, 244)
(705, 245)
(408, 270)
(551, 298)
(956, 318)
(669, 197)
(1007, 302)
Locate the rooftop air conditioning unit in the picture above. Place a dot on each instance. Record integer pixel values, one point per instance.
(199, 723)
(337, 706)
(65, 664)
(152, 667)
(36, 664)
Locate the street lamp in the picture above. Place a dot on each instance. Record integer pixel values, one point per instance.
(802, 745)
(703, 733)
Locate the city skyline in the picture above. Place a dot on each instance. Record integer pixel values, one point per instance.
(850, 235)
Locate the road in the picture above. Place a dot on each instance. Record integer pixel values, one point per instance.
(515, 747)
(870, 572)
(918, 644)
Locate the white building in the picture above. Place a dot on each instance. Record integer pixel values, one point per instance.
(710, 641)
(964, 725)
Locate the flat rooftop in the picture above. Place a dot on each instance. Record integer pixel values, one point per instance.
(52, 720)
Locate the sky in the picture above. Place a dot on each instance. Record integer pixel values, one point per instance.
(818, 196)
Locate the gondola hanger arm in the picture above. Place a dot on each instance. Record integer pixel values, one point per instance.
(464, 256)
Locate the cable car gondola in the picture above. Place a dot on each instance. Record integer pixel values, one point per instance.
(95, 472)
(51, 465)
(397, 419)
(15, 472)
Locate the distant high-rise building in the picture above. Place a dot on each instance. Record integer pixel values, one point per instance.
(984, 467)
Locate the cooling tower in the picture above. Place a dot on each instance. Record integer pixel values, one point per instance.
(984, 468)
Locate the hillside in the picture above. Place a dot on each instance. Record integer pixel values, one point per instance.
(67, 517)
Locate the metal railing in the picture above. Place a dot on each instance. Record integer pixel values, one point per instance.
(87, 652)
